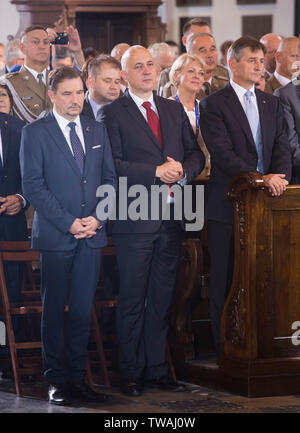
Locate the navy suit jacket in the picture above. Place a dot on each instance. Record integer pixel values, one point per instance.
(14, 226)
(137, 152)
(54, 185)
(227, 135)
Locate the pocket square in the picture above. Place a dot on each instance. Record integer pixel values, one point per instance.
(96, 147)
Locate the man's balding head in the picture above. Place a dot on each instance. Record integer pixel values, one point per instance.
(118, 50)
(271, 43)
(204, 46)
(138, 69)
(288, 57)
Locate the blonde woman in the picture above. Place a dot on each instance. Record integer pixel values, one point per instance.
(187, 75)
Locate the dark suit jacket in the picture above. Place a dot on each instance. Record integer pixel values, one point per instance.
(87, 108)
(227, 135)
(137, 152)
(54, 185)
(15, 228)
(290, 99)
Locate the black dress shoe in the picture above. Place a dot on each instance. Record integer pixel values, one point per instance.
(132, 388)
(82, 392)
(165, 383)
(57, 394)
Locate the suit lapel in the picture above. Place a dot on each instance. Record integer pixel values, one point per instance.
(264, 111)
(88, 134)
(59, 138)
(236, 108)
(163, 124)
(5, 138)
(139, 119)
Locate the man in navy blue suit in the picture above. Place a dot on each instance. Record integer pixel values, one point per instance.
(244, 131)
(64, 159)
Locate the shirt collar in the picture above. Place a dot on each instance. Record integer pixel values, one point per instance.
(63, 122)
(35, 73)
(139, 101)
(281, 79)
(241, 91)
(95, 106)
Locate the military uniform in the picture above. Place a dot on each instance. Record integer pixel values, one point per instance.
(272, 84)
(30, 99)
(219, 80)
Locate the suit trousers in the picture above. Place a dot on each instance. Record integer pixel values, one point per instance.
(221, 249)
(73, 276)
(148, 265)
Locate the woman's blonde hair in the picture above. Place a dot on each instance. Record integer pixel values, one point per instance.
(181, 62)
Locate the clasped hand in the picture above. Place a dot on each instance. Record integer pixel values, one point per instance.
(276, 183)
(84, 228)
(10, 205)
(170, 172)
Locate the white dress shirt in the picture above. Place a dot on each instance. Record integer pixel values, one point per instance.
(35, 74)
(63, 124)
(240, 92)
(139, 102)
(281, 79)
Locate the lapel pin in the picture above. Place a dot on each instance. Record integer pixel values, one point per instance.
(6, 122)
(264, 102)
(87, 128)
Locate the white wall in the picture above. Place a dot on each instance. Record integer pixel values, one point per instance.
(9, 20)
(226, 17)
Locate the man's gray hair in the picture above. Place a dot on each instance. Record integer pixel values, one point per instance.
(159, 47)
(12, 51)
(193, 37)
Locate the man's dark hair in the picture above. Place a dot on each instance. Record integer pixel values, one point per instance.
(90, 52)
(4, 86)
(236, 50)
(61, 74)
(31, 29)
(225, 46)
(194, 22)
(94, 65)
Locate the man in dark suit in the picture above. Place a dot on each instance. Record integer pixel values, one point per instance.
(64, 159)
(103, 83)
(152, 144)
(12, 204)
(290, 99)
(243, 130)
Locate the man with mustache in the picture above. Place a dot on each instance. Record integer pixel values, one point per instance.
(64, 159)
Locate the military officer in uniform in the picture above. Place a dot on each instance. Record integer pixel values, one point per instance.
(29, 85)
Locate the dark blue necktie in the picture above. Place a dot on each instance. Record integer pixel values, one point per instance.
(76, 146)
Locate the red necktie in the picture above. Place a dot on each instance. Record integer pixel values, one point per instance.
(153, 122)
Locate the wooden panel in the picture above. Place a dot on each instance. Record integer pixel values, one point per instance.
(257, 25)
(193, 2)
(254, 2)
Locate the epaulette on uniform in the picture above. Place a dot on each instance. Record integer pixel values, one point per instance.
(220, 77)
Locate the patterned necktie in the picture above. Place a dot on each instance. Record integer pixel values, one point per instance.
(40, 81)
(206, 87)
(153, 122)
(76, 146)
(253, 119)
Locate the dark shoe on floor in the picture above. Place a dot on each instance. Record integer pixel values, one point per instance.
(132, 388)
(165, 383)
(82, 392)
(57, 394)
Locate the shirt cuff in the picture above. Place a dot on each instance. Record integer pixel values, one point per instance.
(23, 200)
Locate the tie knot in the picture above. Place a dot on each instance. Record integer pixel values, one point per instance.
(248, 95)
(147, 105)
(72, 125)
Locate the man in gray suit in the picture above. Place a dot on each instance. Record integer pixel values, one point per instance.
(290, 100)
